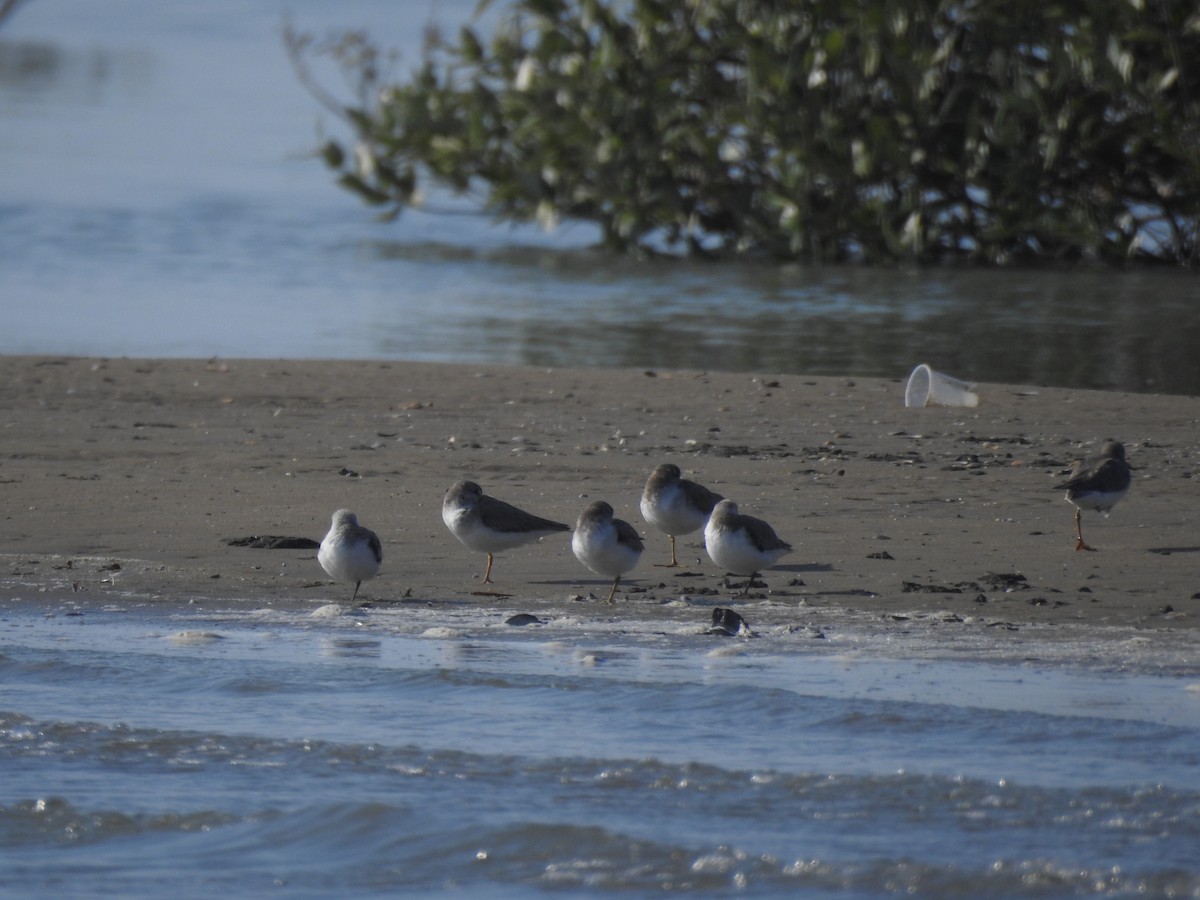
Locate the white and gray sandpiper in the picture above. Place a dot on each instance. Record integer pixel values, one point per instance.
(1097, 483)
(675, 505)
(350, 552)
(608, 546)
(742, 545)
(487, 525)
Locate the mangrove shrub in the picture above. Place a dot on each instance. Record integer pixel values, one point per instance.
(991, 131)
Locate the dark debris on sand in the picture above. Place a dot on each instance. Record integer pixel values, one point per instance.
(274, 542)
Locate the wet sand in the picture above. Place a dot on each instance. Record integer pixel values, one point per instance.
(125, 480)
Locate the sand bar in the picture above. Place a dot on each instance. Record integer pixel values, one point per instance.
(125, 479)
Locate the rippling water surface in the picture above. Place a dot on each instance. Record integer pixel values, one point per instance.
(142, 750)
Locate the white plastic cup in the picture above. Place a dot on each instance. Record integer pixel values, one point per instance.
(929, 388)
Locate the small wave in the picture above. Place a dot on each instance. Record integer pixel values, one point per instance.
(390, 847)
(355, 814)
(54, 820)
(195, 637)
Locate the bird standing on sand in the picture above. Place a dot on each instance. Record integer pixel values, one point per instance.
(608, 546)
(349, 551)
(741, 544)
(676, 506)
(1097, 483)
(487, 525)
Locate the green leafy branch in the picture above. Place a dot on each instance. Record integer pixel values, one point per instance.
(881, 130)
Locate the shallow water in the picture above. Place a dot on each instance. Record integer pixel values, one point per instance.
(159, 197)
(383, 753)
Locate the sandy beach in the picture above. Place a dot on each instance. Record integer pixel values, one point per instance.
(128, 479)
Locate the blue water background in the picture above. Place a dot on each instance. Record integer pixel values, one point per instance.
(160, 196)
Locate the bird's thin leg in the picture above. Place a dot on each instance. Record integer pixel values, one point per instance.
(487, 573)
(674, 563)
(746, 589)
(612, 592)
(1079, 544)
(354, 596)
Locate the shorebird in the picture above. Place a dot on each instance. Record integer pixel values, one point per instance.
(675, 505)
(1097, 483)
(349, 551)
(608, 546)
(487, 525)
(741, 544)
